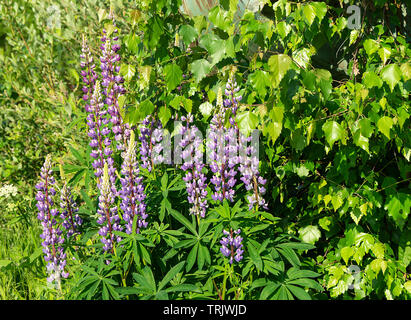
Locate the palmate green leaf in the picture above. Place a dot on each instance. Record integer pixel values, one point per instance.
(391, 74)
(260, 80)
(191, 258)
(309, 13)
(310, 234)
(268, 290)
(406, 71)
(300, 293)
(146, 279)
(371, 46)
(183, 220)
(220, 18)
(188, 33)
(371, 79)
(247, 121)
(398, 207)
(302, 57)
(173, 76)
(164, 115)
(384, 125)
(170, 275)
(279, 64)
(361, 141)
(273, 129)
(313, 10)
(347, 253)
(290, 255)
(200, 68)
(217, 48)
(127, 71)
(255, 257)
(333, 132)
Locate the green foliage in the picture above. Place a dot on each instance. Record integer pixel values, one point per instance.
(332, 105)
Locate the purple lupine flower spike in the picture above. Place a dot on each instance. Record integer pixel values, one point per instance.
(99, 131)
(232, 247)
(222, 146)
(150, 137)
(52, 234)
(87, 72)
(232, 100)
(193, 165)
(69, 209)
(113, 83)
(247, 161)
(132, 190)
(109, 218)
(250, 175)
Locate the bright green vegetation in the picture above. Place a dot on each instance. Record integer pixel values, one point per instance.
(331, 103)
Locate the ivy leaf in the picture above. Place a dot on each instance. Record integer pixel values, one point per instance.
(370, 46)
(309, 13)
(219, 18)
(127, 71)
(391, 74)
(274, 130)
(398, 207)
(302, 57)
(279, 64)
(361, 141)
(384, 54)
(333, 132)
(365, 127)
(188, 34)
(371, 79)
(260, 80)
(247, 122)
(347, 253)
(200, 68)
(406, 71)
(164, 115)
(310, 234)
(173, 75)
(384, 124)
(320, 9)
(216, 47)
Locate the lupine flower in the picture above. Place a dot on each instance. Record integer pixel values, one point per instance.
(71, 220)
(112, 83)
(87, 72)
(150, 137)
(132, 190)
(108, 218)
(232, 100)
(52, 235)
(231, 246)
(222, 147)
(193, 164)
(99, 131)
(248, 167)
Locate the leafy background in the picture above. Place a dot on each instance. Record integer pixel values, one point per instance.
(332, 105)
